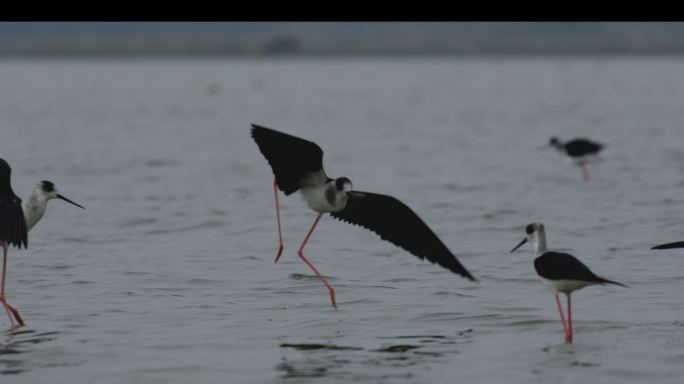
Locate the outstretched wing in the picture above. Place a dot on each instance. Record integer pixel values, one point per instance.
(395, 222)
(292, 159)
(12, 223)
(679, 244)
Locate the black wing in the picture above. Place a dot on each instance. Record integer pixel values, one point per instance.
(12, 223)
(561, 266)
(291, 158)
(679, 244)
(581, 147)
(398, 224)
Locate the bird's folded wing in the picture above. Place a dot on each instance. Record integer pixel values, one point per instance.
(564, 266)
(292, 159)
(559, 265)
(395, 222)
(12, 223)
(678, 244)
(583, 146)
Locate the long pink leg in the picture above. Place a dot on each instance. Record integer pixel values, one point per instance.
(560, 310)
(300, 252)
(2, 291)
(16, 315)
(9, 313)
(585, 172)
(280, 233)
(568, 338)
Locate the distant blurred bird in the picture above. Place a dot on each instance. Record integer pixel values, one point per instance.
(580, 151)
(16, 219)
(560, 272)
(298, 165)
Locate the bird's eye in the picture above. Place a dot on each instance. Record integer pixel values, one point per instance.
(529, 229)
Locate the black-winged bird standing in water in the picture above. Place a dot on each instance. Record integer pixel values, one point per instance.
(16, 219)
(579, 151)
(560, 272)
(298, 166)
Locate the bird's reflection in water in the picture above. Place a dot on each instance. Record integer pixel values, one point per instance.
(15, 344)
(301, 361)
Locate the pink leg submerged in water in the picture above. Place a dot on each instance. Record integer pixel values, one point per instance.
(300, 252)
(560, 310)
(11, 312)
(568, 337)
(280, 233)
(585, 172)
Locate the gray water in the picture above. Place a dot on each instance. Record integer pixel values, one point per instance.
(168, 275)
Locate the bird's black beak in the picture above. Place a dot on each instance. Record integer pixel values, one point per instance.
(69, 201)
(518, 246)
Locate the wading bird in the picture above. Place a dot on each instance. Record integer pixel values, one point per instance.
(298, 165)
(16, 219)
(560, 272)
(580, 151)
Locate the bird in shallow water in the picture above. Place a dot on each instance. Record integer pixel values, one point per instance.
(560, 272)
(580, 151)
(16, 219)
(298, 166)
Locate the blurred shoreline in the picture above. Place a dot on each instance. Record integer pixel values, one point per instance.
(337, 39)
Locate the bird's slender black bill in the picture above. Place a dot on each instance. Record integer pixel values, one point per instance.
(521, 243)
(679, 244)
(69, 201)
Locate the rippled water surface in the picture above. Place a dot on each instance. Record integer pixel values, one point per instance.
(168, 275)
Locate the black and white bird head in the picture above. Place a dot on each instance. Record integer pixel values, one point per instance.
(556, 143)
(45, 190)
(535, 235)
(343, 184)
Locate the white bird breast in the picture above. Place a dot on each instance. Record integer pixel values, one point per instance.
(585, 160)
(317, 200)
(565, 285)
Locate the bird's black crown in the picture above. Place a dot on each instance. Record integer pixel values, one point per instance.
(340, 182)
(530, 229)
(47, 186)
